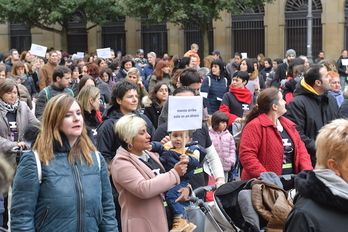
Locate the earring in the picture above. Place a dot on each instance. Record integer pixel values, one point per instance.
(130, 146)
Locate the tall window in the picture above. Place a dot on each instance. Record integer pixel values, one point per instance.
(192, 35)
(154, 38)
(20, 37)
(296, 26)
(248, 31)
(114, 36)
(77, 33)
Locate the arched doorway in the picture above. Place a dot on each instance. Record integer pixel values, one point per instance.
(296, 26)
(248, 31)
(77, 33)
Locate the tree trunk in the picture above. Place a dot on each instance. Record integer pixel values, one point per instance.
(64, 40)
(204, 31)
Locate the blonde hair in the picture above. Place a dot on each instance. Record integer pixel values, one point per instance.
(134, 71)
(332, 143)
(53, 116)
(84, 96)
(127, 127)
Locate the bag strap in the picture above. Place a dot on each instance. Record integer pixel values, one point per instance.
(38, 165)
(48, 93)
(97, 154)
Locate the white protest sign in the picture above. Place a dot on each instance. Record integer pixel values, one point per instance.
(244, 55)
(104, 53)
(344, 62)
(80, 54)
(38, 50)
(185, 113)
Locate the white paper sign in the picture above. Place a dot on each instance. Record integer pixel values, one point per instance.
(244, 55)
(80, 55)
(185, 113)
(345, 62)
(104, 53)
(38, 50)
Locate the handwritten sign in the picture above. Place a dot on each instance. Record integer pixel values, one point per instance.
(38, 50)
(344, 62)
(104, 53)
(80, 55)
(185, 113)
(244, 55)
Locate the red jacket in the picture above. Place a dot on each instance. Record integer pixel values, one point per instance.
(261, 148)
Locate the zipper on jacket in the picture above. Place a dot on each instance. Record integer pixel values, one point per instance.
(79, 198)
(43, 219)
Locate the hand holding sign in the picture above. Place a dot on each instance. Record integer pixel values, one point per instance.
(185, 113)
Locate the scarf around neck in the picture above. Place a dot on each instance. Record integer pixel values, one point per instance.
(242, 95)
(11, 108)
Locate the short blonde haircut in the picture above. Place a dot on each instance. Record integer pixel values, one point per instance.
(127, 127)
(332, 143)
(85, 94)
(134, 71)
(194, 46)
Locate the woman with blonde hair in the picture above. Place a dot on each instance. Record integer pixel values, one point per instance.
(321, 200)
(140, 178)
(133, 75)
(89, 101)
(63, 184)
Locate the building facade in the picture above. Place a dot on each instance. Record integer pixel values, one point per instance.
(270, 30)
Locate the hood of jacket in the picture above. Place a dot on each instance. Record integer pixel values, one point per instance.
(310, 186)
(320, 99)
(111, 113)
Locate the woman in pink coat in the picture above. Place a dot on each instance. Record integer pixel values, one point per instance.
(140, 178)
(270, 142)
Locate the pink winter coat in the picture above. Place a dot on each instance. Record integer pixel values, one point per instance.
(140, 192)
(225, 147)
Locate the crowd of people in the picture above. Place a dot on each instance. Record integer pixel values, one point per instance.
(99, 156)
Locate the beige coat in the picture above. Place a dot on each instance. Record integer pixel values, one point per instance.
(140, 192)
(24, 118)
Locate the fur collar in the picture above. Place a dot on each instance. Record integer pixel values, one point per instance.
(310, 186)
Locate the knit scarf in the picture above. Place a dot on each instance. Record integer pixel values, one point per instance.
(11, 108)
(242, 95)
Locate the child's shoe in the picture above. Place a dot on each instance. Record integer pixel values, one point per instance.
(179, 225)
(190, 228)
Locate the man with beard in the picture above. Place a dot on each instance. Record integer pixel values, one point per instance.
(312, 106)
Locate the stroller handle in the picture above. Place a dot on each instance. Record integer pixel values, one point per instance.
(199, 190)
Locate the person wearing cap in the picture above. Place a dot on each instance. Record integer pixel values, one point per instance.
(280, 73)
(140, 59)
(216, 54)
(118, 56)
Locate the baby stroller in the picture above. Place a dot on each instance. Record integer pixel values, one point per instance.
(254, 205)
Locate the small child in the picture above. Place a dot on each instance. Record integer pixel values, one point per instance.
(223, 141)
(170, 155)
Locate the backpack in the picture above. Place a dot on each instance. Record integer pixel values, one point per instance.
(48, 93)
(39, 169)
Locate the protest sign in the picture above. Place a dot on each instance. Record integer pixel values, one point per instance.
(104, 53)
(185, 113)
(38, 50)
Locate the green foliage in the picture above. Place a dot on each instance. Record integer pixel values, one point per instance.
(46, 13)
(184, 12)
